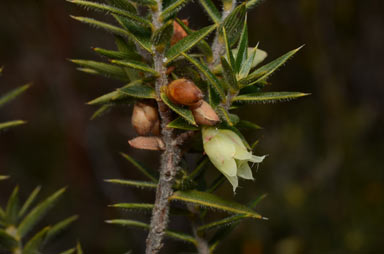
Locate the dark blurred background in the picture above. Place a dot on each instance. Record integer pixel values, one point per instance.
(324, 176)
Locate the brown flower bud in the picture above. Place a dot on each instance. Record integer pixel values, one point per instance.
(145, 119)
(205, 115)
(147, 143)
(185, 92)
(178, 32)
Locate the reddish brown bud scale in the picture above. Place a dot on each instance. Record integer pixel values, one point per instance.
(147, 143)
(145, 119)
(185, 92)
(178, 32)
(205, 115)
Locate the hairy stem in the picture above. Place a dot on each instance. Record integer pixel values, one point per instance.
(170, 158)
(218, 47)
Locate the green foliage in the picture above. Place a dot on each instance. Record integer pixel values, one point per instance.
(268, 97)
(185, 113)
(180, 123)
(148, 173)
(211, 9)
(17, 221)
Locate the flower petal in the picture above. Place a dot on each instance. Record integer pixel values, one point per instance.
(233, 180)
(244, 171)
(257, 159)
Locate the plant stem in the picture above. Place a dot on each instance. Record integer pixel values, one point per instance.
(170, 158)
(218, 47)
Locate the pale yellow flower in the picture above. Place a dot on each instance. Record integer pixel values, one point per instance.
(228, 154)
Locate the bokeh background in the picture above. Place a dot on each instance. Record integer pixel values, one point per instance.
(324, 176)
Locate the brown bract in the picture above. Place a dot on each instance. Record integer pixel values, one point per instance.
(147, 143)
(145, 119)
(178, 32)
(205, 115)
(184, 92)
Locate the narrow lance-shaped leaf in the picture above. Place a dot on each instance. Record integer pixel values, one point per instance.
(242, 49)
(79, 250)
(101, 111)
(212, 201)
(135, 65)
(115, 30)
(38, 213)
(229, 75)
(211, 78)
(123, 4)
(131, 183)
(3, 177)
(36, 242)
(148, 173)
(248, 63)
(145, 2)
(234, 22)
(228, 51)
(139, 91)
(181, 111)
(29, 201)
(180, 123)
(162, 36)
(268, 97)
(111, 9)
(138, 224)
(134, 206)
(105, 69)
(114, 54)
(252, 3)
(211, 9)
(10, 124)
(172, 9)
(187, 43)
(12, 94)
(12, 208)
(70, 251)
(265, 71)
(248, 125)
(58, 228)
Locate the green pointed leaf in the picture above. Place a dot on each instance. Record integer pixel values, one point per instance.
(58, 228)
(7, 242)
(211, 78)
(70, 251)
(234, 23)
(242, 49)
(212, 201)
(265, 71)
(138, 224)
(229, 118)
(145, 2)
(38, 213)
(253, 3)
(248, 125)
(79, 249)
(3, 177)
(138, 90)
(247, 65)
(187, 43)
(29, 201)
(180, 123)
(36, 242)
(268, 97)
(123, 4)
(162, 36)
(115, 30)
(12, 208)
(108, 70)
(113, 54)
(148, 173)
(101, 111)
(111, 9)
(211, 9)
(172, 9)
(134, 206)
(137, 184)
(12, 94)
(185, 113)
(228, 51)
(229, 75)
(10, 124)
(135, 65)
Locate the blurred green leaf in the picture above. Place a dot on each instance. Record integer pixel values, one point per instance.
(185, 113)
(35, 243)
(10, 124)
(108, 70)
(229, 75)
(212, 201)
(58, 228)
(123, 4)
(29, 201)
(79, 249)
(134, 206)
(234, 23)
(252, 3)
(138, 224)
(137, 184)
(172, 9)
(104, 109)
(3, 177)
(228, 51)
(12, 209)
(12, 94)
(187, 43)
(138, 90)
(248, 64)
(269, 97)
(113, 54)
(7, 242)
(180, 123)
(211, 9)
(38, 213)
(229, 118)
(162, 36)
(135, 65)
(148, 173)
(242, 49)
(248, 125)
